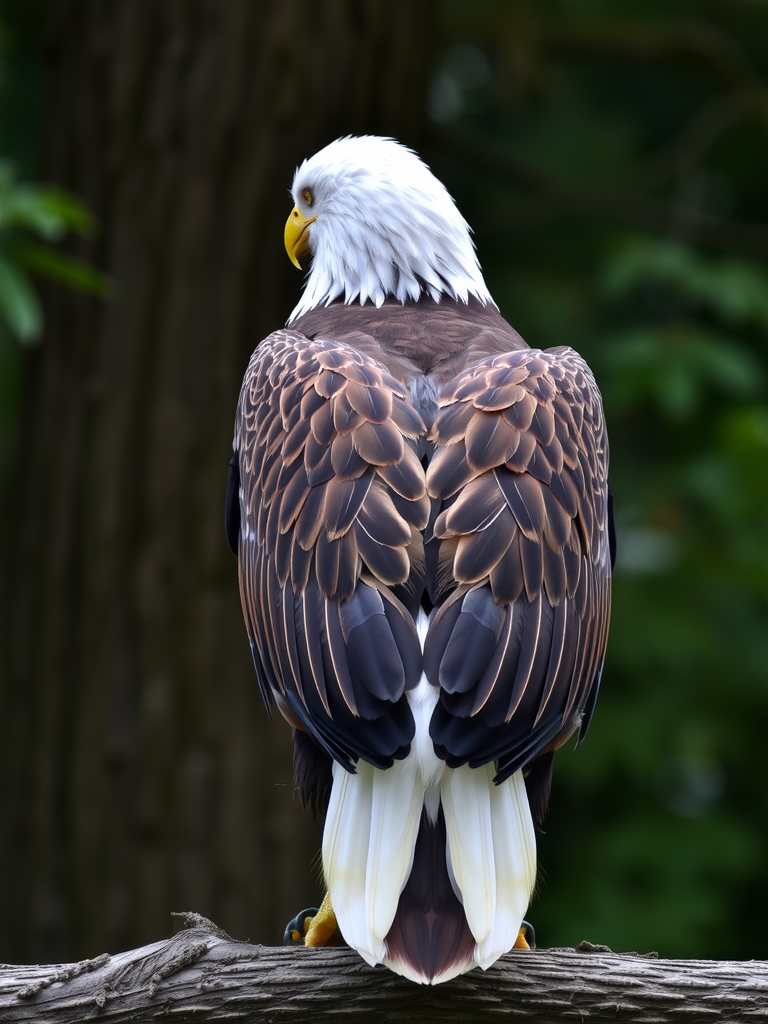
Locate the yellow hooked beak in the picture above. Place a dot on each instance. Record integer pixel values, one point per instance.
(296, 235)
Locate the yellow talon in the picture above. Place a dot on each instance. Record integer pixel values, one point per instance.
(321, 927)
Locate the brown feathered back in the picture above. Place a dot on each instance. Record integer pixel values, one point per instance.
(421, 455)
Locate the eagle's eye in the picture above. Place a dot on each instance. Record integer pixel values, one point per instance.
(307, 196)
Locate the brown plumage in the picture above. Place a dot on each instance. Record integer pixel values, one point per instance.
(503, 536)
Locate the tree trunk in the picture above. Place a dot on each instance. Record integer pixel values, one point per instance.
(140, 773)
(201, 974)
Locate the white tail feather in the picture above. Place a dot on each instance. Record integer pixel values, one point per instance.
(368, 843)
(370, 836)
(395, 815)
(514, 845)
(346, 840)
(466, 797)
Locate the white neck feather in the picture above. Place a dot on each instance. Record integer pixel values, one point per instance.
(385, 228)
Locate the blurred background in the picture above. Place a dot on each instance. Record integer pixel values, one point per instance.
(612, 159)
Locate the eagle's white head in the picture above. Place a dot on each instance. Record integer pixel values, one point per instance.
(378, 224)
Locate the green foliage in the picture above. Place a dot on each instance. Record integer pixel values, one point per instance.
(34, 218)
(734, 290)
(27, 213)
(618, 214)
(686, 402)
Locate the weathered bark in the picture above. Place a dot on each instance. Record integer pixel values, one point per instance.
(201, 974)
(139, 772)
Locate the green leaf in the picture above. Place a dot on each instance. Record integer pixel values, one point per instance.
(48, 212)
(736, 290)
(19, 305)
(60, 267)
(677, 366)
(43, 209)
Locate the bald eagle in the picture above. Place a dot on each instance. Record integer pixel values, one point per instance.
(420, 506)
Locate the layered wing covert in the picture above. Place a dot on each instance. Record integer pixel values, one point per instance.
(520, 472)
(332, 502)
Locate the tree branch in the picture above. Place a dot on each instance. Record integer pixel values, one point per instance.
(202, 974)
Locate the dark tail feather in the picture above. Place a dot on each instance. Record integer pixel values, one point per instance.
(430, 935)
(538, 782)
(312, 772)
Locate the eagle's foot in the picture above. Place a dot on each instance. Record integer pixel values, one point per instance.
(296, 929)
(322, 926)
(314, 926)
(526, 937)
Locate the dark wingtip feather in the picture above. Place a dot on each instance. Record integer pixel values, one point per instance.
(611, 530)
(232, 506)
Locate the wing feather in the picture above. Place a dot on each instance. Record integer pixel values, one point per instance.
(507, 530)
(519, 482)
(331, 488)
